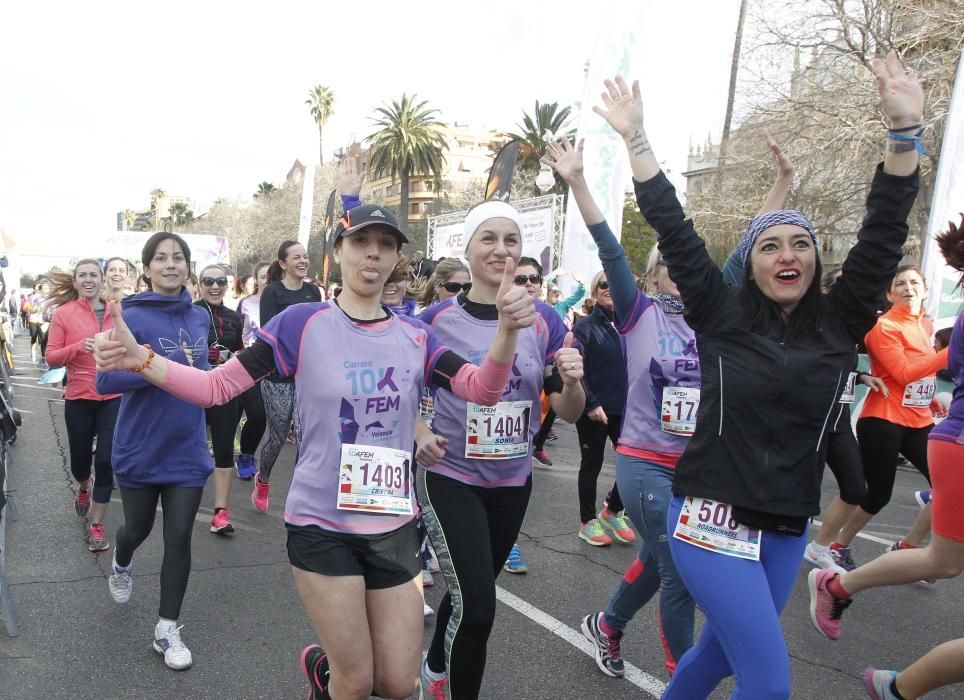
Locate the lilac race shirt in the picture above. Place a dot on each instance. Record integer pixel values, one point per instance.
(357, 384)
(660, 352)
(951, 429)
(471, 337)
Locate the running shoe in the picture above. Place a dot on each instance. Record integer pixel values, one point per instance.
(44, 365)
(427, 579)
(432, 689)
(245, 467)
(618, 525)
(543, 457)
(922, 497)
(825, 609)
(427, 611)
(259, 496)
(593, 533)
(606, 648)
(431, 559)
(878, 683)
(552, 437)
(98, 540)
(515, 564)
(314, 664)
(120, 583)
(82, 499)
(221, 522)
(176, 655)
(821, 556)
(842, 556)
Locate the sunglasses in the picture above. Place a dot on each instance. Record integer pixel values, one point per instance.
(603, 284)
(211, 281)
(455, 287)
(531, 279)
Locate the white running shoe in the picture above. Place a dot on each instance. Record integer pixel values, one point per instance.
(427, 610)
(818, 555)
(170, 645)
(120, 583)
(427, 579)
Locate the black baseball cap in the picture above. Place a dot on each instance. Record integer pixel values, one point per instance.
(368, 215)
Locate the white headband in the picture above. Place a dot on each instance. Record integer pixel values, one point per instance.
(493, 209)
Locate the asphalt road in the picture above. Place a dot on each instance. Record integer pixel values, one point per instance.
(245, 627)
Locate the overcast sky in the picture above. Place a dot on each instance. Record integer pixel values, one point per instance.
(102, 102)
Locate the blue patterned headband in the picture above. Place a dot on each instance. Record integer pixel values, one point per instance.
(772, 218)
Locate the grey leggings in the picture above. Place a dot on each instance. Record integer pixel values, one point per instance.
(180, 504)
(279, 407)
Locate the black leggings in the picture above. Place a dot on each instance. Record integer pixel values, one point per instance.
(223, 421)
(592, 445)
(472, 530)
(880, 442)
(38, 335)
(180, 504)
(253, 406)
(86, 419)
(540, 439)
(843, 458)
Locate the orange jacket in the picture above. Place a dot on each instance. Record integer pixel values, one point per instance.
(901, 352)
(72, 324)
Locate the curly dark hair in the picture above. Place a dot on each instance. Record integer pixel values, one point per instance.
(951, 243)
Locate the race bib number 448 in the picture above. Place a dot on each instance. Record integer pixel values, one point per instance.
(919, 394)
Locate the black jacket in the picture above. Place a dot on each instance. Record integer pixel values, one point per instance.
(225, 327)
(766, 403)
(604, 364)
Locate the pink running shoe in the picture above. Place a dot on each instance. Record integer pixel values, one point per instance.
(98, 539)
(82, 499)
(432, 690)
(221, 523)
(825, 609)
(314, 664)
(259, 496)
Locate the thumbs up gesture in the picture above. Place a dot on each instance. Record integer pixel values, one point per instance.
(117, 349)
(569, 361)
(516, 308)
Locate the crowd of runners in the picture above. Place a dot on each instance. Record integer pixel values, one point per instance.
(417, 395)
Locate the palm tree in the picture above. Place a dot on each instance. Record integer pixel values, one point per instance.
(158, 196)
(264, 189)
(544, 118)
(322, 103)
(409, 140)
(130, 216)
(181, 214)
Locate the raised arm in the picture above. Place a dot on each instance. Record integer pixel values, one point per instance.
(567, 161)
(699, 280)
(873, 261)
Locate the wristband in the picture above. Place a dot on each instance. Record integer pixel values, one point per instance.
(147, 362)
(905, 142)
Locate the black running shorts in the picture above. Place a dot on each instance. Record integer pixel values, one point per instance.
(385, 561)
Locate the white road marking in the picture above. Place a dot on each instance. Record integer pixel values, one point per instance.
(872, 538)
(634, 675)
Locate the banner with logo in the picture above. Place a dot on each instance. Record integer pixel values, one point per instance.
(945, 299)
(449, 240)
(500, 174)
(605, 161)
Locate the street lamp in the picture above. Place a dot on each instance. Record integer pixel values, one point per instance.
(545, 181)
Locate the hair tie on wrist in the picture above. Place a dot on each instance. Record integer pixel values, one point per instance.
(912, 127)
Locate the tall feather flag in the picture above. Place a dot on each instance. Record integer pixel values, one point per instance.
(329, 228)
(500, 174)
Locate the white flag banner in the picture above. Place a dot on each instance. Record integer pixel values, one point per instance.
(945, 299)
(604, 158)
(307, 205)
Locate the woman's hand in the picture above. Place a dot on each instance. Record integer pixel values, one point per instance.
(901, 94)
(783, 164)
(349, 181)
(429, 447)
(623, 108)
(875, 384)
(516, 308)
(117, 348)
(89, 344)
(564, 159)
(569, 361)
(598, 414)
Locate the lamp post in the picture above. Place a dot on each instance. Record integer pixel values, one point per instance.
(545, 181)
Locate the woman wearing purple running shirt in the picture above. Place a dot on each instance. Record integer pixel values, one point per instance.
(350, 511)
(475, 486)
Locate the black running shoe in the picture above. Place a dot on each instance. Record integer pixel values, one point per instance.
(608, 657)
(314, 663)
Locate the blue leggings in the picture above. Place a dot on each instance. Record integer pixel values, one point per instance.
(646, 490)
(742, 601)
